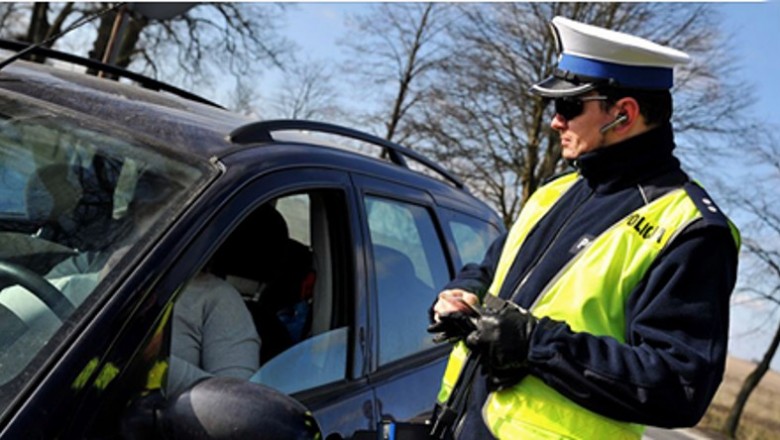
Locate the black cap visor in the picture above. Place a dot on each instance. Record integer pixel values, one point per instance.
(557, 87)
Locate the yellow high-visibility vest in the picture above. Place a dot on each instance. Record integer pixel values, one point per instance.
(589, 293)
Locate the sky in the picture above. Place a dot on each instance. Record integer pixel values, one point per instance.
(754, 27)
(317, 27)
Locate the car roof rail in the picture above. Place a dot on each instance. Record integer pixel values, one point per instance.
(143, 81)
(260, 132)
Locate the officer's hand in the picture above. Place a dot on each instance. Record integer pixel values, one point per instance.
(451, 301)
(451, 315)
(452, 327)
(497, 380)
(502, 338)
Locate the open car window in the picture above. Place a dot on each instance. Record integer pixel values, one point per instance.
(74, 198)
(277, 301)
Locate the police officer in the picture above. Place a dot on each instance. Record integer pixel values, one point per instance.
(617, 275)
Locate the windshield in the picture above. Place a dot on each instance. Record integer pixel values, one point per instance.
(73, 199)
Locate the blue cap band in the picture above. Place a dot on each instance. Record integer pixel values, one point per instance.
(641, 77)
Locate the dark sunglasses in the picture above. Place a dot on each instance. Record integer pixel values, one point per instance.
(570, 107)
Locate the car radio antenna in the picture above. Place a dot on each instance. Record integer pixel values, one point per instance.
(78, 23)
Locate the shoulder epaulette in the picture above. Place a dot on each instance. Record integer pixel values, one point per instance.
(711, 214)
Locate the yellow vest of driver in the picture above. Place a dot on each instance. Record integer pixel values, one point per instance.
(610, 266)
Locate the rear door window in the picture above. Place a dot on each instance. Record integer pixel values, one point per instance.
(410, 267)
(472, 237)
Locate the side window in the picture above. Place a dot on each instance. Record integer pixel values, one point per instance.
(268, 310)
(472, 237)
(410, 267)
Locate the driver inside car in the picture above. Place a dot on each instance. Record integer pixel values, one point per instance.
(213, 335)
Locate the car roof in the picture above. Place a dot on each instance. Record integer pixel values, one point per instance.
(195, 129)
(186, 126)
(168, 118)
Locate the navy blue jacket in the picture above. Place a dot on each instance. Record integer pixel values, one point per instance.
(672, 362)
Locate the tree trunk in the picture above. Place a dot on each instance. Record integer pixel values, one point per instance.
(101, 39)
(130, 40)
(405, 81)
(56, 26)
(38, 28)
(750, 383)
(39, 23)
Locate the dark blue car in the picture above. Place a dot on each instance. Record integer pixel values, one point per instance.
(114, 197)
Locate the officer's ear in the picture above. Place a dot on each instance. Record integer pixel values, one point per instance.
(628, 111)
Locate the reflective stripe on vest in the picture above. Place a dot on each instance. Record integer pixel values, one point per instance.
(610, 267)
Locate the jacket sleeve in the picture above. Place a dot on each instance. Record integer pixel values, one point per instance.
(676, 335)
(476, 278)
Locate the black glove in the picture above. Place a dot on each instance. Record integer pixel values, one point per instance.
(502, 338)
(497, 380)
(452, 327)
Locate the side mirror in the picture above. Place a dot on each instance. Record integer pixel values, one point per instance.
(228, 408)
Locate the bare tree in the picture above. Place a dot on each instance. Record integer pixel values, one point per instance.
(307, 92)
(41, 27)
(243, 99)
(11, 14)
(232, 37)
(212, 37)
(394, 49)
(480, 119)
(758, 204)
(45, 20)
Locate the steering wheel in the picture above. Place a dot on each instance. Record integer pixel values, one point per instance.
(39, 287)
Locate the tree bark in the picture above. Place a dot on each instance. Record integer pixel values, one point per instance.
(38, 28)
(39, 22)
(748, 386)
(101, 39)
(56, 27)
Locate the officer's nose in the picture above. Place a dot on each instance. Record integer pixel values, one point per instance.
(558, 123)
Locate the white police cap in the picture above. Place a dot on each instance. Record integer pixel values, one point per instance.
(590, 55)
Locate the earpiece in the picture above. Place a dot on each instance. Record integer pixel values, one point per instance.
(621, 118)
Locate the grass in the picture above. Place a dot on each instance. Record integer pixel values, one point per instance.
(761, 418)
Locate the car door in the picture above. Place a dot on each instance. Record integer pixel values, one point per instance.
(318, 208)
(410, 263)
(324, 366)
(326, 370)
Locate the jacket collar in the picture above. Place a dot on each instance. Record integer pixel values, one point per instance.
(630, 162)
